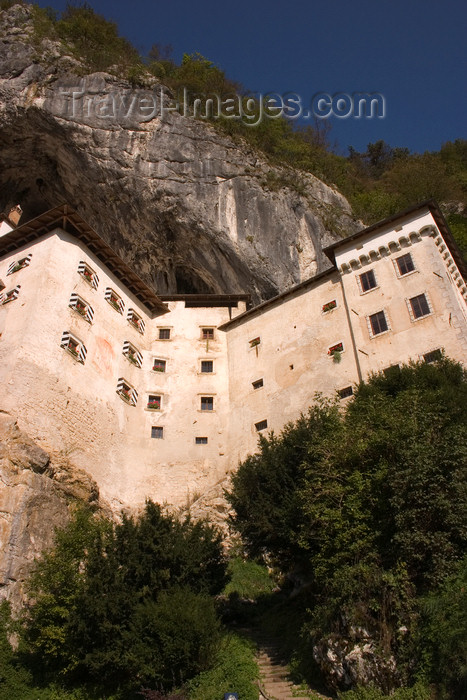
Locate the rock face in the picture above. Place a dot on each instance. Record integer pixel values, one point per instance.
(189, 208)
(36, 496)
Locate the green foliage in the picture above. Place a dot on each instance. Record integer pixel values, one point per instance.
(235, 670)
(248, 579)
(341, 498)
(443, 631)
(417, 692)
(129, 605)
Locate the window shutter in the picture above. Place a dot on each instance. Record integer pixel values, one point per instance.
(89, 313)
(94, 278)
(65, 340)
(82, 353)
(134, 396)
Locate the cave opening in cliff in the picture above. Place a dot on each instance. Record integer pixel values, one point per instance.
(189, 282)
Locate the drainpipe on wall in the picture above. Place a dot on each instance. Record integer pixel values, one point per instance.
(354, 346)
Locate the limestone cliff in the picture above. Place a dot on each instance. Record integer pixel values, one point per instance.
(189, 208)
(36, 495)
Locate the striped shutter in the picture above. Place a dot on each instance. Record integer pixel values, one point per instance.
(122, 385)
(109, 292)
(82, 353)
(24, 263)
(65, 342)
(94, 279)
(126, 348)
(74, 298)
(136, 319)
(11, 295)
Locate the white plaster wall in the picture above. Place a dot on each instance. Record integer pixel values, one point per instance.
(407, 339)
(75, 409)
(292, 359)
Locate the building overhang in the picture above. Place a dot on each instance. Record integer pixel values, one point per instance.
(66, 218)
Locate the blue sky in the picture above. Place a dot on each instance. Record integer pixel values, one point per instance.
(413, 52)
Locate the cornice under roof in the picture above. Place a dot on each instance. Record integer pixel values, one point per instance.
(441, 222)
(66, 218)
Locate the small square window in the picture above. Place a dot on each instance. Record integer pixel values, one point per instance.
(19, 264)
(74, 346)
(135, 320)
(114, 300)
(329, 306)
(164, 333)
(159, 365)
(88, 274)
(201, 440)
(391, 371)
(433, 356)
(345, 393)
(367, 281)
(257, 384)
(255, 342)
(207, 366)
(157, 431)
(336, 349)
(207, 403)
(154, 402)
(405, 264)
(132, 354)
(127, 392)
(378, 323)
(11, 295)
(82, 307)
(207, 333)
(262, 425)
(419, 306)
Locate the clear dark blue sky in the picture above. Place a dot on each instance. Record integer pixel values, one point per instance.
(414, 52)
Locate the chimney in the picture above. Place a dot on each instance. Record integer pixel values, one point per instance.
(15, 215)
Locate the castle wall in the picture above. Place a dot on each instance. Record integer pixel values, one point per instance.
(73, 407)
(206, 381)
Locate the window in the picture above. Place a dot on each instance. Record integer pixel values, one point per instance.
(74, 346)
(132, 354)
(82, 307)
(255, 342)
(135, 320)
(127, 392)
(164, 333)
(207, 333)
(378, 323)
(207, 366)
(114, 300)
(88, 274)
(404, 265)
(336, 349)
(11, 295)
(419, 307)
(262, 425)
(367, 281)
(159, 365)
(257, 384)
(154, 402)
(391, 371)
(19, 264)
(201, 440)
(157, 431)
(207, 403)
(433, 356)
(329, 306)
(345, 393)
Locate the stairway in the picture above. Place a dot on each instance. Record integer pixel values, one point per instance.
(275, 683)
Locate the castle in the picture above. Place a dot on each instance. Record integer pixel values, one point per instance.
(161, 396)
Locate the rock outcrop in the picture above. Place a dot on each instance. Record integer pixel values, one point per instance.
(36, 496)
(192, 210)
